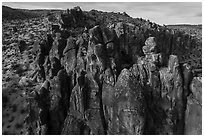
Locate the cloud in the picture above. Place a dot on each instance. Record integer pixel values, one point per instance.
(198, 14)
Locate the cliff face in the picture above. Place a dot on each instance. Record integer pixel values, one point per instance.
(119, 75)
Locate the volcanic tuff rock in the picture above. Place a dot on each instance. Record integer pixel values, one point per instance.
(106, 73)
(193, 113)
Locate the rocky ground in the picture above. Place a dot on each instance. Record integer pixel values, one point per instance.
(16, 70)
(99, 73)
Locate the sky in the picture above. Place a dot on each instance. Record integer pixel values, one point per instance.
(158, 12)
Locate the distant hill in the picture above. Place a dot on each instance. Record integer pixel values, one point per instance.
(195, 30)
(10, 13)
(199, 26)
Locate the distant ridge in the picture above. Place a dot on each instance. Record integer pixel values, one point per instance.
(10, 13)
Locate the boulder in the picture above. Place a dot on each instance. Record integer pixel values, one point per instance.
(120, 29)
(150, 46)
(22, 46)
(24, 81)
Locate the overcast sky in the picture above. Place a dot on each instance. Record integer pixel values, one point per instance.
(158, 12)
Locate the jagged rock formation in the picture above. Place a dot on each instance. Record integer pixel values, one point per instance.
(193, 113)
(115, 75)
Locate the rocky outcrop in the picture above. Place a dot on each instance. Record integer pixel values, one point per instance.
(112, 92)
(114, 77)
(73, 18)
(193, 113)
